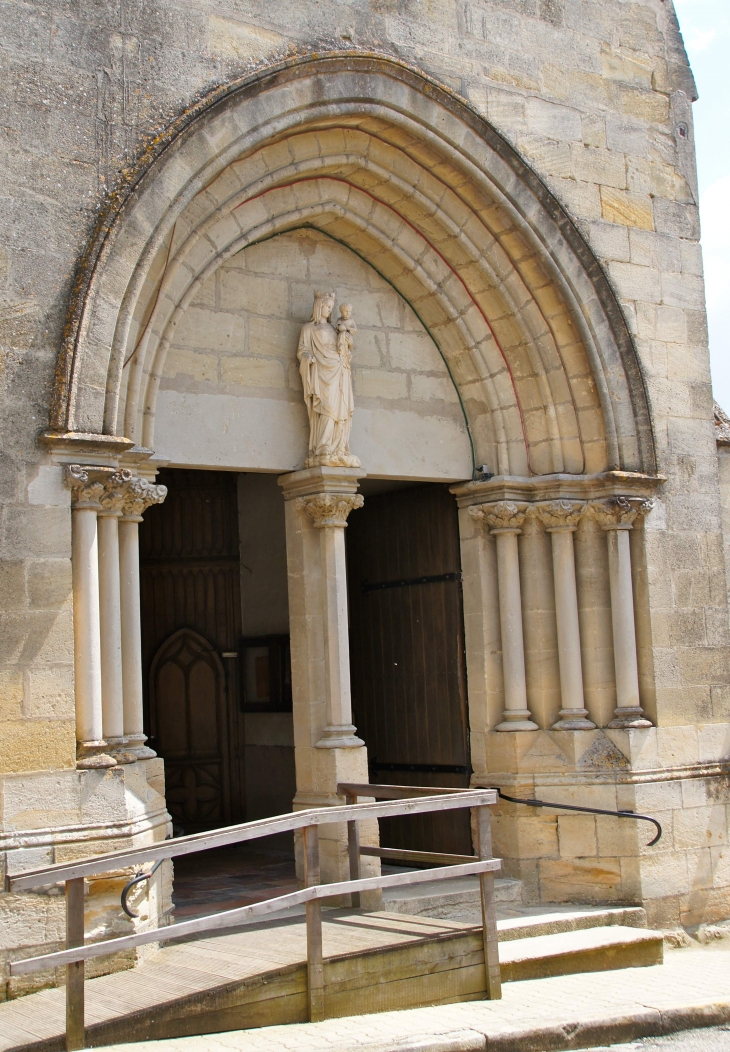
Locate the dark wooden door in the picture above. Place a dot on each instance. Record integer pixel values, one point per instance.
(191, 624)
(407, 653)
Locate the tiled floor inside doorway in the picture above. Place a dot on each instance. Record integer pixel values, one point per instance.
(229, 877)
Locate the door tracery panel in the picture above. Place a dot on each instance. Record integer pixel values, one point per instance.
(188, 718)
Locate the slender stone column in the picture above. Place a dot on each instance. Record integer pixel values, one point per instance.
(504, 521)
(616, 517)
(328, 513)
(560, 518)
(327, 751)
(140, 494)
(86, 489)
(112, 704)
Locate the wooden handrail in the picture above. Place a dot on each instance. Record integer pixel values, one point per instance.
(249, 914)
(441, 801)
(389, 801)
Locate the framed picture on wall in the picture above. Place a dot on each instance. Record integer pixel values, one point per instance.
(266, 674)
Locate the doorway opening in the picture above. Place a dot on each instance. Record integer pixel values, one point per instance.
(215, 643)
(407, 657)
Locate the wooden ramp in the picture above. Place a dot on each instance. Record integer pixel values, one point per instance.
(374, 962)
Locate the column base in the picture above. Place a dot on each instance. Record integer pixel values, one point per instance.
(135, 744)
(574, 720)
(631, 716)
(340, 736)
(119, 749)
(517, 720)
(90, 755)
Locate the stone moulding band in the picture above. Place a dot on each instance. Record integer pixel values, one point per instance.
(719, 769)
(50, 837)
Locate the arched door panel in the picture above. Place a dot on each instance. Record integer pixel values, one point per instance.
(188, 721)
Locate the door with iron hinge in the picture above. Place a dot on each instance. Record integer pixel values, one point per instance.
(407, 656)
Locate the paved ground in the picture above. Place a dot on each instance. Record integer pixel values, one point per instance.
(713, 1039)
(692, 987)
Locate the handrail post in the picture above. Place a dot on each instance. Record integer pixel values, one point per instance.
(315, 965)
(75, 1037)
(489, 915)
(353, 852)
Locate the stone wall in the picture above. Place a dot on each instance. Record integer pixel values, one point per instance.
(234, 359)
(595, 94)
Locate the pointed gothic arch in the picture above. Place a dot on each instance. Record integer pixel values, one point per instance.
(403, 172)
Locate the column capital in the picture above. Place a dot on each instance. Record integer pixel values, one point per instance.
(503, 517)
(86, 484)
(329, 509)
(138, 495)
(619, 513)
(559, 515)
(114, 495)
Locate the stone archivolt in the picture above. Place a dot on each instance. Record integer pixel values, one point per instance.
(329, 509)
(440, 230)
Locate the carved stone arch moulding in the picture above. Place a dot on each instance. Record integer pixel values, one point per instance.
(402, 171)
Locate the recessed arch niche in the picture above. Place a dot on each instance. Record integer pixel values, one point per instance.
(379, 159)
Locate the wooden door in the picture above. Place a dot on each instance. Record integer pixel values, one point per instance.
(191, 624)
(188, 724)
(407, 653)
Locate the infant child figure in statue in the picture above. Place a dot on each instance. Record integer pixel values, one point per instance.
(325, 355)
(345, 329)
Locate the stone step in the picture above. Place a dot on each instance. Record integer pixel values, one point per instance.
(551, 920)
(433, 898)
(584, 950)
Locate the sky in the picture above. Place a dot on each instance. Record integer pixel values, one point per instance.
(705, 26)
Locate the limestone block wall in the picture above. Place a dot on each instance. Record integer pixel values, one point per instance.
(61, 815)
(233, 359)
(595, 94)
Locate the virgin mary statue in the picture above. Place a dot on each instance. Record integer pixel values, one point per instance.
(324, 355)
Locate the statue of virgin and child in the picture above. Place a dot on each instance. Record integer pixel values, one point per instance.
(325, 357)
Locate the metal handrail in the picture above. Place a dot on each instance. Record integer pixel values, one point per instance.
(390, 801)
(587, 811)
(133, 883)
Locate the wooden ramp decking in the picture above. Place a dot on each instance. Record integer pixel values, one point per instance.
(374, 962)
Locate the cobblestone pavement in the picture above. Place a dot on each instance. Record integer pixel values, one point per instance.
(690, 989)
(711, 1039)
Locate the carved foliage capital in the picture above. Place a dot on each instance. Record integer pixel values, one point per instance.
(140, 494)
(619, 513)
(115, 491)
(329, 509)
(86, 485)
(504, 515)
(118, 491)
(560, 514)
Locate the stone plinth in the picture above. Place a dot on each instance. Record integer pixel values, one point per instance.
(57, 816)
(677, 775)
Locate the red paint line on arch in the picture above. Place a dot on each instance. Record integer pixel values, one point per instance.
(449, 267)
